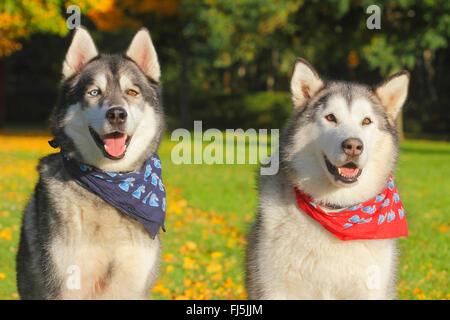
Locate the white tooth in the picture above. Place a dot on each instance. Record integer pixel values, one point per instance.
(339, 171)
(105, 146)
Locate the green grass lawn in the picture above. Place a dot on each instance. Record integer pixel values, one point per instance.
(210, 208)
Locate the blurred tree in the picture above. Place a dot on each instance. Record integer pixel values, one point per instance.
(114, 15)
(253, 44)
(19, 19)
(214, 49)
(220, 39)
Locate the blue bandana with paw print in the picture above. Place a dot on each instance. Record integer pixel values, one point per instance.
(140, 195)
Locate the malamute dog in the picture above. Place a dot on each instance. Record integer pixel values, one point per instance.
(73, 244)
(327, 220)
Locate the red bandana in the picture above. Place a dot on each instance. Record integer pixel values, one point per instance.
(382, 217)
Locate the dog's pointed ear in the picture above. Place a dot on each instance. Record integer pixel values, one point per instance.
(142, 51)
(81, 50)
(305, 83)
(393, 92)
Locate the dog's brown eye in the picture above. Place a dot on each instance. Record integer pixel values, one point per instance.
(366, 121)
(331, 117)
(132, 92)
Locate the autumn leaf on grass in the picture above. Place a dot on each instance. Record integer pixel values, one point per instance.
(6, 234)
(189, 246)
(189, 263)
(169, 268)
(159, 288)
(168, 257)
(214, 267)
(216, 254)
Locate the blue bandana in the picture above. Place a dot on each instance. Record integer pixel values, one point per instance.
(140, 195)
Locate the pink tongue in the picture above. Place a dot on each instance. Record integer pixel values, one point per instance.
(348, 172)
(115, 144)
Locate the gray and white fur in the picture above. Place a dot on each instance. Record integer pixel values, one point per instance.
(74, 245)
(334, 125)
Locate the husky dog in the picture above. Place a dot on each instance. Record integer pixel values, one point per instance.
(339, 148)
(73, 244)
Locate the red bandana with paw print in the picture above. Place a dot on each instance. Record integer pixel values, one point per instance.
(382, 217)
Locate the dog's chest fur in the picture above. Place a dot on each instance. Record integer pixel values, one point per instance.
(115, 255)
(299, 259)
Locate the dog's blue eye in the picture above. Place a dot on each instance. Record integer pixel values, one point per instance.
(94, 92)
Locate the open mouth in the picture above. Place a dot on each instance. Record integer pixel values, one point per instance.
(113, 144)
(348, 173)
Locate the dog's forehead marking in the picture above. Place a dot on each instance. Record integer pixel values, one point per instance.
(337, 101)
(361, 106)
(125, 82)
(101, 81)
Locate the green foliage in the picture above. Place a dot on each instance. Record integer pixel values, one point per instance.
(232, 49)
(19, 19)
(266, 109)
(263, 38)
(409, 28)
(234, 31)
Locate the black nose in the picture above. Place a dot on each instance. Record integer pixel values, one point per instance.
(352, 147)
(116, 115)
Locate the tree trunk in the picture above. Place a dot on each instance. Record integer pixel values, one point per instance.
(226, 81)
(185, 110)
(2, 93)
